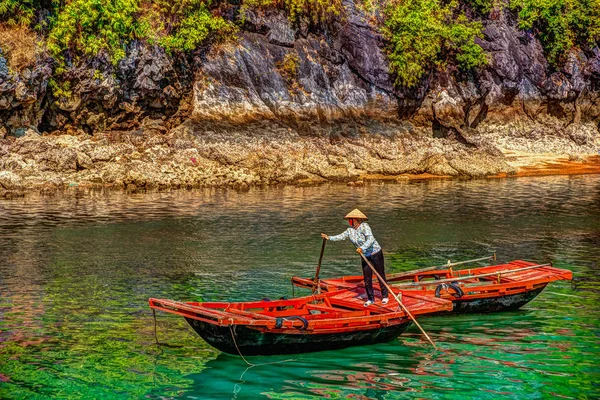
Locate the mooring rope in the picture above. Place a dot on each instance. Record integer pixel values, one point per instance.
(237, 348)
(246, 361)
(155, 334)
(234, 342)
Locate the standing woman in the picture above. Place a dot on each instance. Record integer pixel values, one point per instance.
(361, 236)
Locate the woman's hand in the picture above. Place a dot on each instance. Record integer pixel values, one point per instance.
(324, 236)
(359, 250)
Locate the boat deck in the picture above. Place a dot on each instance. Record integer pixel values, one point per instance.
(498, 280)
(324, 312)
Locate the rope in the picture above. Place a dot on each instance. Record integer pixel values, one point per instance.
(316, 287)
(314, 298)
(155, 334)
(237, 348)
(246, 361)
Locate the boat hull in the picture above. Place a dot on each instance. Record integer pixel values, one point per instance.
(476, 304)
(494, 304)
(326, 321)
(252, 341)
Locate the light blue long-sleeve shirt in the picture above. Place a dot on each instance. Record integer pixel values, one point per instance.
(361, 237)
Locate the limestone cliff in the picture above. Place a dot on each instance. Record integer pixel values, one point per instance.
(289, 103)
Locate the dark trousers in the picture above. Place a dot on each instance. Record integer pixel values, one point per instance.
(377, 261)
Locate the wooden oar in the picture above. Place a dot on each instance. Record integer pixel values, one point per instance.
(381, 280)
(464, 278)
(417, 271)
(316, 280)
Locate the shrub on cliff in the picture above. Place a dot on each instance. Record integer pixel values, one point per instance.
(561, 24)
(482, 6)
(88, 27)
(424, 34)
(288, 66)
(91, 26)
(316, 11)
(18, 12)
(182, 25)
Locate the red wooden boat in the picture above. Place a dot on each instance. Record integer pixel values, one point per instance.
(326, 321)
(476, 290)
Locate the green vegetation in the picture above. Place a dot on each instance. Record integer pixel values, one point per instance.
(289, 65)
(195, 29)
(560, 24)
(421, 34)
(88, 27)
(18, 12)
(182, 25)
(483, 6)
(426, 33)
(91, 26)
(60, 89)
(316, 11)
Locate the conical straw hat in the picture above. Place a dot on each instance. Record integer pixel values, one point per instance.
(356, 214)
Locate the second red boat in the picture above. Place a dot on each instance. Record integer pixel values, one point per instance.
(475, 290)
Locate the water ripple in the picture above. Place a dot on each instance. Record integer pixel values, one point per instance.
(77, 271)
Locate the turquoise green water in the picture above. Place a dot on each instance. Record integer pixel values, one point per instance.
(76, 272)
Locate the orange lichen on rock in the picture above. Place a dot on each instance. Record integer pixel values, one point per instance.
(558, 166)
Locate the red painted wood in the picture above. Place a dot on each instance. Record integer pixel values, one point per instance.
(330, 312)
(475, 288)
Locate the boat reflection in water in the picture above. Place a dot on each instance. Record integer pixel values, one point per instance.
(340, 373)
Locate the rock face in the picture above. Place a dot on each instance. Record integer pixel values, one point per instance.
(517, 92)
(306, 80)
(22, 95)
(102, 97)
(344, 77)
(145, 83)
(288, 102)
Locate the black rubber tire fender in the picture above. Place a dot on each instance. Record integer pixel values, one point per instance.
(279, 322)
(458, 292)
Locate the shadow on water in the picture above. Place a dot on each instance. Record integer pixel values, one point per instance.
(364, 370)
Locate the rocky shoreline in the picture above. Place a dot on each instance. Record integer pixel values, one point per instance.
(180, 158)
(236, 115)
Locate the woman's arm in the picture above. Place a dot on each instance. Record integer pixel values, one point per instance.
(341, 236)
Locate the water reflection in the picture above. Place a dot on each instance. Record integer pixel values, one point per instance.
(317, 375)
(77, 270)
